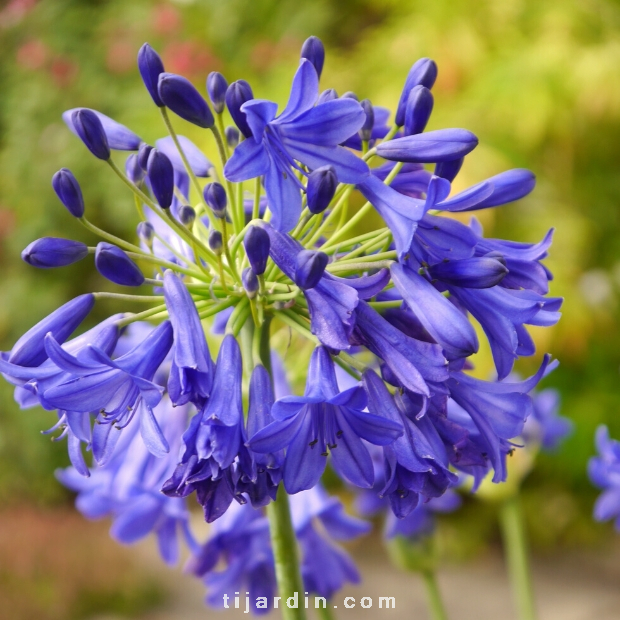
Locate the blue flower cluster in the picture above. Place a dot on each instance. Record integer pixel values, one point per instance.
(270, 246)
(604, 471)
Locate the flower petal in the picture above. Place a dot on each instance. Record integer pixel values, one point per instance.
(304, 92)
(248, 161)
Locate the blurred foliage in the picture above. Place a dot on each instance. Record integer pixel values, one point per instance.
(536, 81)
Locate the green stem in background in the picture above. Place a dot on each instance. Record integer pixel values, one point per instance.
(325, 613)
(284, 545)
(435, 604)
(256, 207)
(515, 545)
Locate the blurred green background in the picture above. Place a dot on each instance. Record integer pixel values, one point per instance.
(538, 83)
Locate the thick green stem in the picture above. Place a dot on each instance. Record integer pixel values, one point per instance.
(515, 545)
(435, 604)
(284, 545)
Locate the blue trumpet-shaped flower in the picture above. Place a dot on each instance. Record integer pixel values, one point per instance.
(416, 464)
(321, 420)
(604, 472)
(302, 133)
(115, 389)
(127, 488)
(191, 373)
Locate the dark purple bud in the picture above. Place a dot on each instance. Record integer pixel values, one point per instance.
(119, 137)
(483, 272)
(143, 155)
(187, 215)
(232, 136)
(309, 268)
(112, 263)
(250, 282)
(150, 67)
(90, 131)
(327, 95)
(180, 95)
(29, 350)
(215, 197)
(369, 123)
(257, 244)
(350, 95)
(68, 190)
(217, 87)
(133, 171)
(215, 242)
(161, 175)
(418, 110)
(429, 147)
(146, 232)
(321, 188)
(448, 169)
(50, 252)
(424, 72)
(313, 50)
(237, 94)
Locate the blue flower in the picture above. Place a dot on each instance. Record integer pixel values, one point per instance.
(213, 440)
(413, 362)
(191, 373)
(115, 389)
(302, 133)
(321, 420)
(604, 472)
(416, 464)
(240, 541)
(127, 488)
(546, 426)
(498, 411)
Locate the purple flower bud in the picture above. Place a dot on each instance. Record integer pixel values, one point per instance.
(327, 95)
(112, 263)
(313, 50)
(429, 147)
(133, 170)
(90, 130)
(350, 95)
(217, 87)
(424, 72)
(366, 128)
(150, 67)
(187, 215)
(237, 94)
(119, 137)
(309, 268)
(250, 282)
(232, 136)
(321, 188)
(68, 190)
(180, 95)
(161, 175)
(215, 241)
(418, 110)
(29, 350)
(448, 169)
(143, 155)
(257, 244)
(483, 272)
(50, 252)
(146, 232)
(215, 196)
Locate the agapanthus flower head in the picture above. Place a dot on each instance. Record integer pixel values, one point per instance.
(282, 269)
